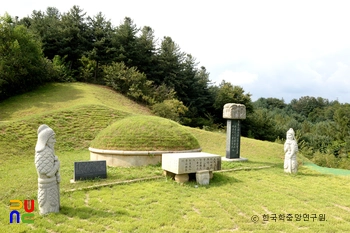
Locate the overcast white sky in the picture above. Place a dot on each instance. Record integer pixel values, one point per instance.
(282, 49)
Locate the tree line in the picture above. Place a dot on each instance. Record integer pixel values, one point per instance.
(65, 47)
(72, 46)
(322, 127)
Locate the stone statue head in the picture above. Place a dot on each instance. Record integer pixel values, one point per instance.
(290, 134)
(45, 135)
(42, 127)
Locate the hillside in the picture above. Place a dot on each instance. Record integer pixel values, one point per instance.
(78, 112)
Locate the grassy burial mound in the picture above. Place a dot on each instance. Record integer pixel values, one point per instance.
(145, 133)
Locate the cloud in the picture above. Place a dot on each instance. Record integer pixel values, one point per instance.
(238, 78)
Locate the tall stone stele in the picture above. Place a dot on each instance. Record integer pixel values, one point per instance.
(290, 150)
(233, 113)
(47, 166)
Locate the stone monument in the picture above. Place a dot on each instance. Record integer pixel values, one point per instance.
(47, 166)
(290, 150)
(234, 113)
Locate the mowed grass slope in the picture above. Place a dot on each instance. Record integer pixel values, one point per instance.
(77, 112)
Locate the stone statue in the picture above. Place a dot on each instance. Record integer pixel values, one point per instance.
(47, 166)
(290, 150)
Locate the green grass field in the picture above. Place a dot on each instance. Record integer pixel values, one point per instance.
(246, 198)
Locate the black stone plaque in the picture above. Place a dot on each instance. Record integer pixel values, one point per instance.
(90, 170)
(233, 139)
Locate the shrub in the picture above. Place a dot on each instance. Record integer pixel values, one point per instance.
(63, 74)
(325, 160)
(172, 109)
(22, 64)
(128, 81)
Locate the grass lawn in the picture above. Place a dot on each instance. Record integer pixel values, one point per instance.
(78, 112)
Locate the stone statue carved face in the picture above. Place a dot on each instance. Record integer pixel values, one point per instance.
(51, 141)
(290, 134)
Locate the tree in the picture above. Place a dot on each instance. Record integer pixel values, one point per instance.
(306, 104)
(146, 48)
(170, 60)
(128, 81)
(270, 103)
(101, 50)
(198, 97)
(263, 125)
(75, 34)
(22, 65)
(227, 93)
(172, 109)
(47, 26)
(125, 42)
(342, 120)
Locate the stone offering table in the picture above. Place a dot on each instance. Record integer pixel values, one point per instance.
(182, 164)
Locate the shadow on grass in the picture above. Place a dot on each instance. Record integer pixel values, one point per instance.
(311, 174)
(44, 96)
(88, 212)
(272, 164)
(222, 179)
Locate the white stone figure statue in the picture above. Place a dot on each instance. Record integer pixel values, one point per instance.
(47, 166)
(290, 150)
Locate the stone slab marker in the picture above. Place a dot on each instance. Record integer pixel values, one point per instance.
(233, 113)
(89, 170)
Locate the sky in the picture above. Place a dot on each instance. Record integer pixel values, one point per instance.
(281, 49)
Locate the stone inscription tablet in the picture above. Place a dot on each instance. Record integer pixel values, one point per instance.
(182, 163)
(90, 170)
(233, 139)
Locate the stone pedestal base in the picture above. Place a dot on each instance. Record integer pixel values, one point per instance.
(203, 177)
(181, 178)
(167, 173)
(48, 196)
(241, 159)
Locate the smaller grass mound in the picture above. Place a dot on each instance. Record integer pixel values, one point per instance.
(145, 133)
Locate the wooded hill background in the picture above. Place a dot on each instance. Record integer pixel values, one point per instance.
(67, 47)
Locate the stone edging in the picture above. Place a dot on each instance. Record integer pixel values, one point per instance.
(125, 152)
(113, 183)
(243, 168)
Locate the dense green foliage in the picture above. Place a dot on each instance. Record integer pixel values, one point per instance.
(129, 59)
(172, 109)
(22, 66)
(322, 127)
(71, 46)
